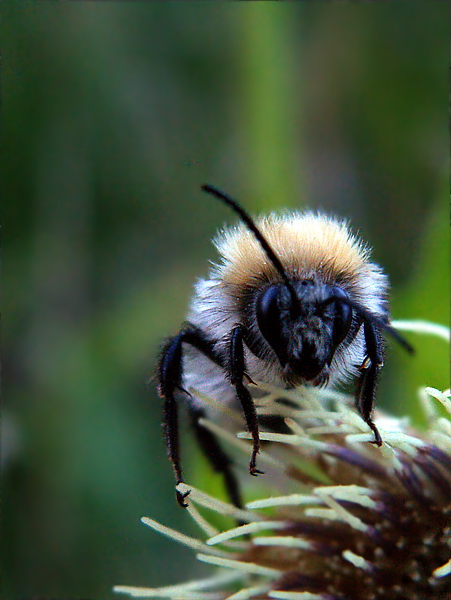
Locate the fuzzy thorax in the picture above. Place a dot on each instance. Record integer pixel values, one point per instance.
(307, 244)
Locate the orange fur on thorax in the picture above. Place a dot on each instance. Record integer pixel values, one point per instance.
(305, 244)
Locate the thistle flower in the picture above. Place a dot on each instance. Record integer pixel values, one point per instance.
(349, 521)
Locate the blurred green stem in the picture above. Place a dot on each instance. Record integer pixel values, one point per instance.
(266, 72)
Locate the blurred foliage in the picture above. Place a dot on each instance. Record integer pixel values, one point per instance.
(114, 114)
(426, 296)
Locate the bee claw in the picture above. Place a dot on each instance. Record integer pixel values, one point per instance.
(377, 436)
(249, 379)
(181, 498)
(182, 389)
(365, 365)
(377, 442)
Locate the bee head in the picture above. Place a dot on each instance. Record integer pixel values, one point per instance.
(305, 333)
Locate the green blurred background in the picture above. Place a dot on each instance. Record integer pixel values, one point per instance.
(114, 114)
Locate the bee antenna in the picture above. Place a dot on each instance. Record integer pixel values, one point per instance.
(258, 235)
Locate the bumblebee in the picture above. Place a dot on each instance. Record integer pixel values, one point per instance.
(294, 301)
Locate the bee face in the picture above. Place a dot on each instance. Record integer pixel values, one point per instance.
(303, 329)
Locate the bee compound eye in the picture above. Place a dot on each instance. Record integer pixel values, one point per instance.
(268, 308)
(342, 317)
(269, 316)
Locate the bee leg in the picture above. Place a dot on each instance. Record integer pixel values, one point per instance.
(219, 460)
(170, 378)
(236, 374)
(370, 369)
